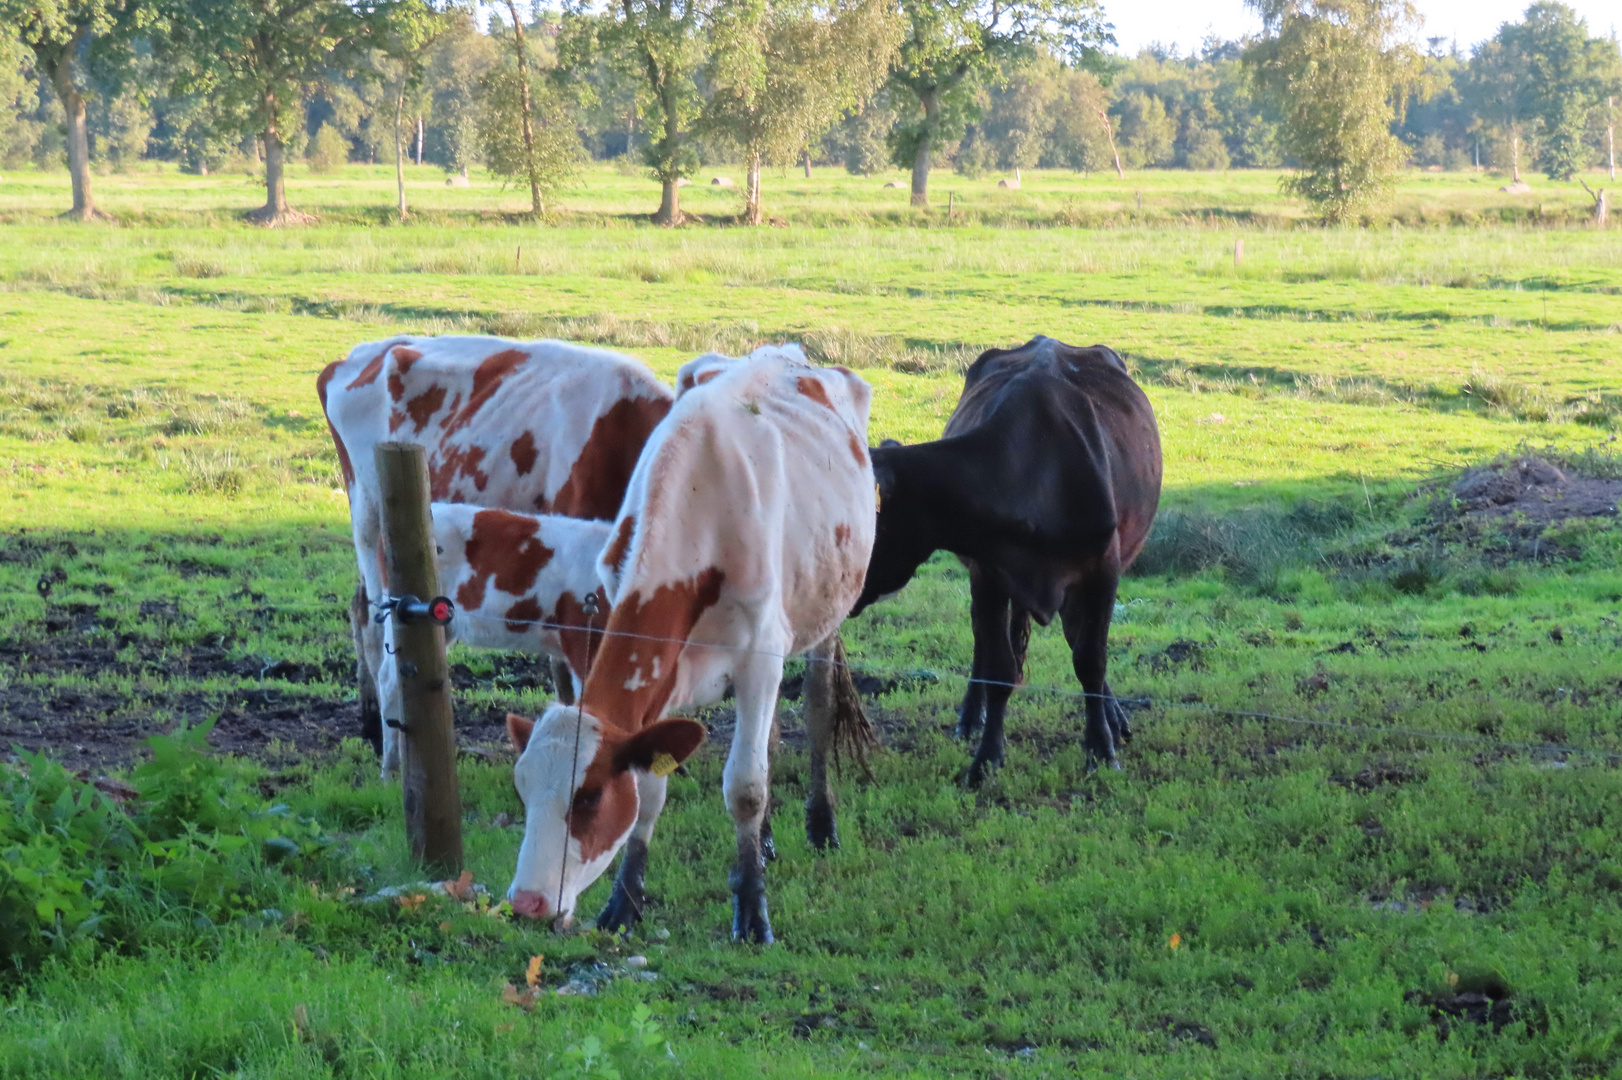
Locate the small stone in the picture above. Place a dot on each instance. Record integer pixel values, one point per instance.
(636, 961)
(661, 934)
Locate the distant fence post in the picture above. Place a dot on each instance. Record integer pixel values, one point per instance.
(433, 805)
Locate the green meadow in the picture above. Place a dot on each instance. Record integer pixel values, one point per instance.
(1367, 826)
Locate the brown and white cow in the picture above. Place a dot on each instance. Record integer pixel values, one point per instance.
(519, 582)
(743, 540)
(536, 427)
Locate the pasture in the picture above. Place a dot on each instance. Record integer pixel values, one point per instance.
(1368, 825)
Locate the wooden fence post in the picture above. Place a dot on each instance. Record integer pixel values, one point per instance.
(433, 805)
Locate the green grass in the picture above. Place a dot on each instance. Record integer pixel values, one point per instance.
(1326, 802)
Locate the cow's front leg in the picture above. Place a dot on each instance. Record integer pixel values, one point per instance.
(746, 784)
(391, 706)
(624, 908)
(996, 666)
(367, 637)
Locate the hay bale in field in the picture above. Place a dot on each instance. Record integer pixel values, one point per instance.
(1519, 187)
(456, 181)
(1010, 184)
(893, 183)
(721, 181)
(684, 182)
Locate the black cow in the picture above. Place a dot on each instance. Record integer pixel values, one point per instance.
(1045, 484)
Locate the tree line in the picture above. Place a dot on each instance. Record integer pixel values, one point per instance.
(1338, 90)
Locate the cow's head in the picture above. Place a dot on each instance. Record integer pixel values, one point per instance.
(901, 543)
(577, 777)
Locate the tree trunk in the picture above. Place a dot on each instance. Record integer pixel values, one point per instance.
(920, 160)
(1515, 162)
(399, 156)
(84, 203)
(669, 204)
(751, 212)
(1109, 133)
(808, 163)
(535, 206)
(419, 140)
(670, 198)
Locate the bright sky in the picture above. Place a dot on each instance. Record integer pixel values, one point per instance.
(1186, 22)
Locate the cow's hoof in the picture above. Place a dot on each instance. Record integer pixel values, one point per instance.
(968, 724)
(621, 913)
(749, 920)
(1109, 761)
(979, 770)
(820, 828)
(1120, 721)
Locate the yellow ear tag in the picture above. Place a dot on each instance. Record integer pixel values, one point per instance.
(878, 499)
(663, 764)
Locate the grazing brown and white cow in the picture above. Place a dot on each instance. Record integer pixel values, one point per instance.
(743, 540)
(537, 427)
(520, 582)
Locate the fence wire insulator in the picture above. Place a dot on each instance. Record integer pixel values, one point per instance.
(409, 609)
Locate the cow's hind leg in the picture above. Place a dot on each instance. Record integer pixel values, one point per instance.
(360, 626)
(996, 666)
(1088, 606)
(820, 706)
(624, 908)
(745, 783)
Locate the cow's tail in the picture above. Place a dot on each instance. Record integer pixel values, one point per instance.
(853, 734)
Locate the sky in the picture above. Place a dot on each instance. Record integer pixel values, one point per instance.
(1186, 22)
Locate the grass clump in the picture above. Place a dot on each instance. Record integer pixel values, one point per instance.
(85, 865)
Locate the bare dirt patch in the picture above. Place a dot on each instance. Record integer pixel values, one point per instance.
(1531, 491)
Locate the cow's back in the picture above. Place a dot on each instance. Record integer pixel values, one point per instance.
(541, 427)
(1073, 426)
(749, 520)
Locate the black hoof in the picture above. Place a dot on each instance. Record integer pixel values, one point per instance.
(1120, 721)
(820, 829)
(968, 723)
(622, 912)
(749, 920)
(979, 770)
(1094, 761)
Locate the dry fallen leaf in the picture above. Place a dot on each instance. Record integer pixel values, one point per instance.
(524, 999)
(461, 888)
(532, 974)
(1176, 940)
(414, 901)
(301, 1022)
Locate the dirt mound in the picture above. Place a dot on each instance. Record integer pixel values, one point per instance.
(1535, 491)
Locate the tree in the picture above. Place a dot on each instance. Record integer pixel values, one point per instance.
(58, 32)
(782, 72)
(1338, 71)
(523, 126)
(949, 44)
(257, 62)
(663, 44)
(1545, 71)
(405, 36)
(1146, 131)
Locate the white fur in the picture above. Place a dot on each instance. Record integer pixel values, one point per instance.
(572, 569)
(750, 476)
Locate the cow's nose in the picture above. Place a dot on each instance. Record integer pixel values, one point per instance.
(530, 904)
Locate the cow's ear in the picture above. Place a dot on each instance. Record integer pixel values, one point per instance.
(518, 730)
(890, 444)
(660, 747)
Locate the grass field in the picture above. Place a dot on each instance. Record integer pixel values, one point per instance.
(1368, 826)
